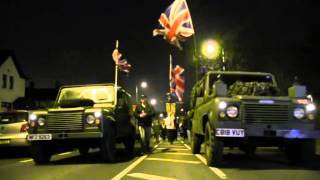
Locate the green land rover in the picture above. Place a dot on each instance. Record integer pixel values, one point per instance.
(83, 117)
(246, 110)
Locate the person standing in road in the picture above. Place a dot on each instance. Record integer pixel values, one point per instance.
(171, 127)
(163, 128)
(144, 112)
(156, 128)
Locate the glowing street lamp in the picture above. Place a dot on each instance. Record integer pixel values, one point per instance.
(210, 49)
(144, 84)
(153, 101)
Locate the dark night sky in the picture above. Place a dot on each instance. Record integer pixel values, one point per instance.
(72, 41)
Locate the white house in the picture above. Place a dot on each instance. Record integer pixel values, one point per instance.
(12, 80)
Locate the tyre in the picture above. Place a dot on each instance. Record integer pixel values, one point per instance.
(213, 147)
(300, 151)
(129, 142)
(108, 144)
(40, 153)
(196, 142)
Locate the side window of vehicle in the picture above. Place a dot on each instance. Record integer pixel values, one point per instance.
(200, 90)
(122, 99)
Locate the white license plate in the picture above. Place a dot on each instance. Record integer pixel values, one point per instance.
(226, 132)
(39, 137)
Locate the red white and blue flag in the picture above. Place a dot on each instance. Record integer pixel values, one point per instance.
(176, 22)
(177, 82)
(124, 66)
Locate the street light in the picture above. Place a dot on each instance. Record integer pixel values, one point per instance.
(210, 49)
(143, 85)
(153, 101)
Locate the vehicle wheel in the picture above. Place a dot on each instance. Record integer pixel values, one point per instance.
(129, 144)
(40, 153)
(213, 147)
(300, 151)
(108, 144)
(84, 151)
(196, 142)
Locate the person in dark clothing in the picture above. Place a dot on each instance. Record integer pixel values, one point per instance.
(163, 130)
(144, 112)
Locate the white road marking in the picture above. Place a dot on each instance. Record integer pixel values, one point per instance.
(217, 171)
(26, 161)
(187, 146)
(129, 168)
(66, 153)
(179, 149)
(155, 147)
(172, 146)
(177, 153)
(174, 160)
(201, 158)
(133, 165)
(149, 176)
(176, 149)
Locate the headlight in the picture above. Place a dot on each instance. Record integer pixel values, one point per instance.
(310, 107)
(90, 119)
(298, 113)
(33, 117)
(222, 105)
(41, 121)
(97, 114)
(232, 111)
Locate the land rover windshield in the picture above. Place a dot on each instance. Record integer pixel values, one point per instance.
(98, 94)
(247, 84)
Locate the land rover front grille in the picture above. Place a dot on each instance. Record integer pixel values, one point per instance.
(65, 121)
(265, 113)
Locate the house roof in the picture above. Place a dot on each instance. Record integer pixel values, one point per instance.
(5, 54)
(42, 93)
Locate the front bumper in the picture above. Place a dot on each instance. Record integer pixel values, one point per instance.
(14, 140)
(74, 135)
(286, 131)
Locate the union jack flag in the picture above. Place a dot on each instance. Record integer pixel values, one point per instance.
(177, 23)
(124, 66)
(116, 55)
(177, 82)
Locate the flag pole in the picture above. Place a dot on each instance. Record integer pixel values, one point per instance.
(116, 77)
(170, 72)
(170, 84)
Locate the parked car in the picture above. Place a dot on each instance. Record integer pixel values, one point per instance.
(246, 110)
(13, 129)
(83, 117)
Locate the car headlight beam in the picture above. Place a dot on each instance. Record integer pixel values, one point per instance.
(33, 117)
(232, 111)
(310, 107)
(90, 119)
(298, 113)
(222, 105)
(41, 121)
(98, 114)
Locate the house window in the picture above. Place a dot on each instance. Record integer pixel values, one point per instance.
(4, 81)
(11, 82)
